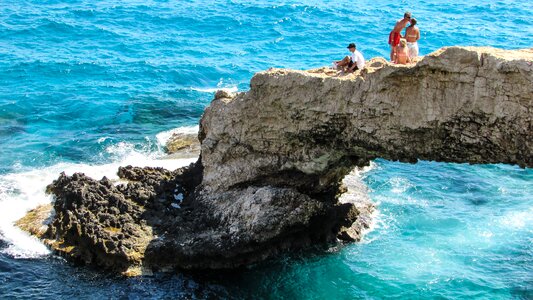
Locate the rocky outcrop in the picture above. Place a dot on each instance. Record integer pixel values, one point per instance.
(272, 160)
(456, 105)
(156, 221)
(183, 145)
(112, 226)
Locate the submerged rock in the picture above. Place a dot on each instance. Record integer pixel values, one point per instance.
(272, 160)
(183, 145)
(37, 220)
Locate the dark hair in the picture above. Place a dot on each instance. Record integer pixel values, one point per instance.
(413, 22)
(407, 14)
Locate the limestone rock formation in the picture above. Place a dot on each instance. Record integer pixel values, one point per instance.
(457, 105)
(183, 145)
(272, 160)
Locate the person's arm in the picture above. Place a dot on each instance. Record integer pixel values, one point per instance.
(404, 27)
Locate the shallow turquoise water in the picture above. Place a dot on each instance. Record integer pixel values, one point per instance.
(89, 85)
(450, 231)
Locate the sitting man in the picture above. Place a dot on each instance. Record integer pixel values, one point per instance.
(353, 62)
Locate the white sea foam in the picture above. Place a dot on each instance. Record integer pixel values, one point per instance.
(399, 185)
(20, 192)
(102, 139)
(358, 194)
(164, 136)
(231, 89)
(515, 220)
(357, 189)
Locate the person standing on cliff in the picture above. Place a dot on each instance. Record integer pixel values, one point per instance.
(412, 35)
(395, 34)
(353, 62)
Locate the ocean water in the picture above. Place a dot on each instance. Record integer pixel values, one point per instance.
(91, 85)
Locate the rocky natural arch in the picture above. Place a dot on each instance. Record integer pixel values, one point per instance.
(272, 159)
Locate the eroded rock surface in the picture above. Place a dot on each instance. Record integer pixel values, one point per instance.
(456, 105)
(182, 145)
(100, 223)
(272, 160)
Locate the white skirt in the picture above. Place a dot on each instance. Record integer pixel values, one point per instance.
(413, 49)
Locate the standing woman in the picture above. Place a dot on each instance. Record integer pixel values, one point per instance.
(412, 35)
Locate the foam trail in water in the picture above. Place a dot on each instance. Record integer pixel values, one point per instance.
(232, 89)
(358, 192)
(20, 192)
(164, 136)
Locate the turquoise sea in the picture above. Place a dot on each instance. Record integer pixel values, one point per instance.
(90, 85)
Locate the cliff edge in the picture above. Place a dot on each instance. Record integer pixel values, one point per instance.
(272, 160)
(456, 105)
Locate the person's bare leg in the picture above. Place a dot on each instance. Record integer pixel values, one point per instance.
(344, 62)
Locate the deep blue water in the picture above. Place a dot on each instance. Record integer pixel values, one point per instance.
(89, 85)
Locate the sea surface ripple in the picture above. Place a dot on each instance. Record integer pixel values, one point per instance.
(91, 85)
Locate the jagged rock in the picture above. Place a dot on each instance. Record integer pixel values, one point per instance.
(111, 226)
(272, 160)
(187, 145)
(96, 224)
(220, 94)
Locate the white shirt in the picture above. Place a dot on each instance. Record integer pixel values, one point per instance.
(358, 58)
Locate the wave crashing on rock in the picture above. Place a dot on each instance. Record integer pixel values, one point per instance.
(272, 160)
